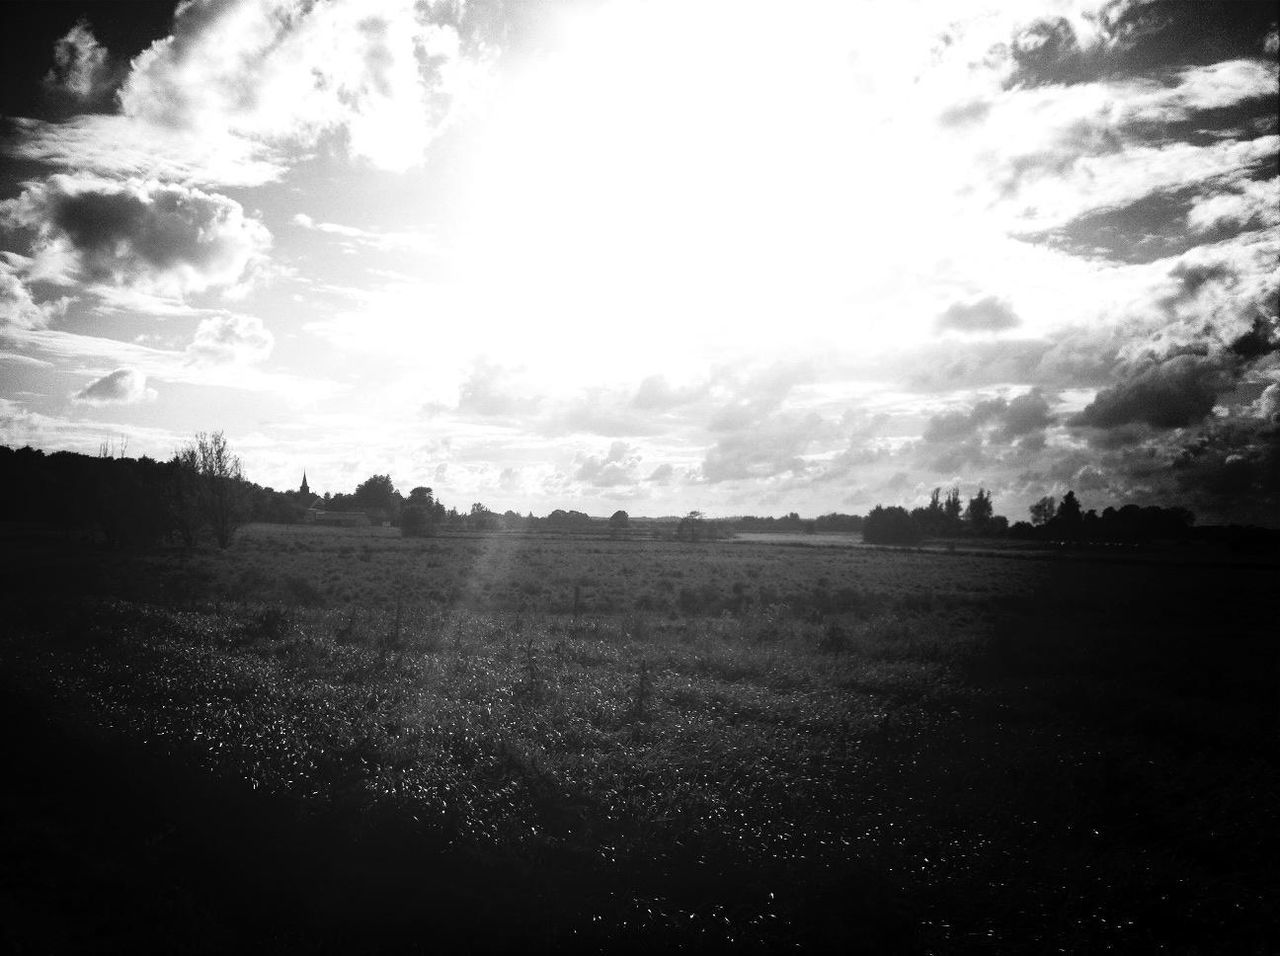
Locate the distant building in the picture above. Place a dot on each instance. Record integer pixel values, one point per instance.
(305, 489)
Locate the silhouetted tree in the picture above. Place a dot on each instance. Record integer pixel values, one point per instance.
(892, 525)
(220, 485)
(1042, 511)
(980, 512)
(618, 522)
(1069, 521)
(951, 512)
(184, 494)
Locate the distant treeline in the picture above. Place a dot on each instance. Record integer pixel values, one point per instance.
(795, 524)
(1053, 521)
(201, 492)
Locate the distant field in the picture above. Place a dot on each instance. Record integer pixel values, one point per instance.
(338, 738)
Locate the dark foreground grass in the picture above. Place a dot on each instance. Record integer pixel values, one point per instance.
(914, 755)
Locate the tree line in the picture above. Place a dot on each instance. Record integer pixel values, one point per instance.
(949, 516)
(201, 493)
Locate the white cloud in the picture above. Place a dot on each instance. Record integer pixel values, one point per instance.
(287, 73)
(122, 147)
(1250, 201)
(18, 308)
(124, 386)
(239, 339)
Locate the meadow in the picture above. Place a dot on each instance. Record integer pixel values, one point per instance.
(340, 739)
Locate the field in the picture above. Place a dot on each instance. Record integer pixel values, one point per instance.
(336, 739)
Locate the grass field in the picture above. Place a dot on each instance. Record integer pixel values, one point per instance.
(341, 739)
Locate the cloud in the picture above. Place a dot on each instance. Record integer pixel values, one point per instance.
(1026, 415)
(768, 449)
(1047, 51)
(124, 386)
(1000, 418)
(618, 467)
(1171, 394)
(661, 475)
(239, 339)
(486, 393)
(242, 90)
(82, 69)
(18, 308)
(1141, 37)
(120, 147)
(965, 114)
(655, 393)
(1251, 202)
(377, 77)
(384, 241)
(989, 314)
(167, 239)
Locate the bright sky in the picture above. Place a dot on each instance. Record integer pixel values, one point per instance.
(739, 257)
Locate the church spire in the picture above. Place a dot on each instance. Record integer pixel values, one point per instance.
(304, 490)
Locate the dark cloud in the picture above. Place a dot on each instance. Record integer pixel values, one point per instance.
(1025, 415)
(949, 426)
(1154, 35)
(1144, 37)
(164, 238)
(1171, 394)
(124, 386)
(1262, 339)
(1154, 227)
(1047, 51)
(995, 418)
(988, 314)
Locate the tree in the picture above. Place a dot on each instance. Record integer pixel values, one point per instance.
(691, 527)
(219, 486)
(892, 525)
(481, 518)
(980, 511)
(1042, 511)
(618, 522)
(1069, 521)
(951, 511)
(377, 497)
(184, 494)
(421, 515)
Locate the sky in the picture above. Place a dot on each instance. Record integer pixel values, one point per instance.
(745, 258)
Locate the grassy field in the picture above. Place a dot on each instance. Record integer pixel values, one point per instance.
(341, 739)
